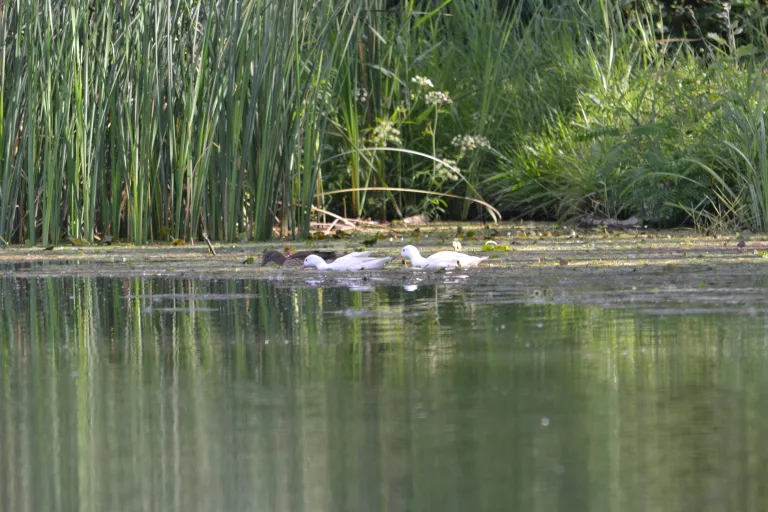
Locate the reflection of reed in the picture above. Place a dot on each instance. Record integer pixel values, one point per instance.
(332, 399)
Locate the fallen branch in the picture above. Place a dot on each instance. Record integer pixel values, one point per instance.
(333, 224)
(337, 217)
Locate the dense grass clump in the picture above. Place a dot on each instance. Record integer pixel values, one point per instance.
(620, 118)
(145, 120)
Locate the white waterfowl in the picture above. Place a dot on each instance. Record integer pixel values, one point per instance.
(442, 259)
(348, 262)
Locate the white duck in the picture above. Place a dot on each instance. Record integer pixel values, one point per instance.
(352, 261)
(442, 259)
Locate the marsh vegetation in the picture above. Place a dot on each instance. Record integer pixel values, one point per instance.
(144, 120)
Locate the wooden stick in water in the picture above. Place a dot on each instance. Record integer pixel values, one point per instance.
(210, 246)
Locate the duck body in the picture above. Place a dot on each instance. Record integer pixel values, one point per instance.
(353, 261)
(442, 259)
(295, 259)
(354, 256)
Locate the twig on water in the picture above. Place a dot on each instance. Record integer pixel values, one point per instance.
(210, 246)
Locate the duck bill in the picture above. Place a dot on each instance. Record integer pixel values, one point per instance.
(303, 267)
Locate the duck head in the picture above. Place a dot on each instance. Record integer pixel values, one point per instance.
(312, 261)
(409, 252)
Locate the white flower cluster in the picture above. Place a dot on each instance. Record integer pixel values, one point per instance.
(444, 172)
(385, 132)
(437, 98)
(422, 81)
(509, 87)
(470, 142)
(362, 95)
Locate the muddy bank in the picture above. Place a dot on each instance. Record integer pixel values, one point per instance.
(537, 262)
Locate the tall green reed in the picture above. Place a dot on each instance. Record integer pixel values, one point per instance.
(147, 119)
(486, 56)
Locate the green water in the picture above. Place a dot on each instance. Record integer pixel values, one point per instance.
(197, 395)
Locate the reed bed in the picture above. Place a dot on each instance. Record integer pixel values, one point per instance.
(147, 121)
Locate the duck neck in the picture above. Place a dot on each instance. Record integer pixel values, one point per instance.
(417, 259)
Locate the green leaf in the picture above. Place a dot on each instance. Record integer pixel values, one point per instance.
(430, 15)
(746, 50)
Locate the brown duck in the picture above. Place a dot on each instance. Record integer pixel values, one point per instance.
(295, 259)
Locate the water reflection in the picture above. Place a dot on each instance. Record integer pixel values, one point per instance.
(203, 395)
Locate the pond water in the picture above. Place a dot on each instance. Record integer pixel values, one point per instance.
(141, 394)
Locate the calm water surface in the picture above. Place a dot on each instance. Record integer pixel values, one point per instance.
(196, 395)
